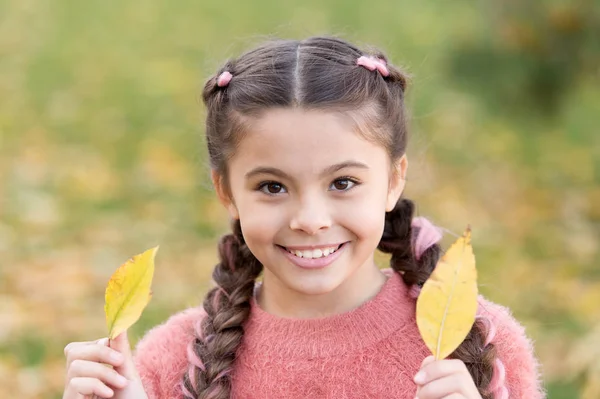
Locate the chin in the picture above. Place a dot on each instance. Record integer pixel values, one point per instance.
(315, 288)
(315, 282)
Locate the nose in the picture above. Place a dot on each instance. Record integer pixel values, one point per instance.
(310, 216)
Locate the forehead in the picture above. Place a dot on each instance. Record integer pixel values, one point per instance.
(305, 138)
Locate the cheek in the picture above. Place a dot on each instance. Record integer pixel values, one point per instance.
(364, 217)
(366, 222)
(260, 224)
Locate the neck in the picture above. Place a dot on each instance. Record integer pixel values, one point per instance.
(362, 285)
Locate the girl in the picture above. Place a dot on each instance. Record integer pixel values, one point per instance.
(307, 145)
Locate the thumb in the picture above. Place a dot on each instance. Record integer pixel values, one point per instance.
(121, 344)
(427, 360)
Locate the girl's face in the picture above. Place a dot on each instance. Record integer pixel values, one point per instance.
(304, 180)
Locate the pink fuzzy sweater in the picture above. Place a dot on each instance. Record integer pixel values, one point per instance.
(372, 351)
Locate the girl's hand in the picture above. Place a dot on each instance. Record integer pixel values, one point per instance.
(445, 379)
(88, 378)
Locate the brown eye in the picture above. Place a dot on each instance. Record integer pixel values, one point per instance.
(343, 184)
(271, 188)
(274, 188)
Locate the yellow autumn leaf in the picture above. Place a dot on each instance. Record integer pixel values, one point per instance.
(128, 292)
(447, 304)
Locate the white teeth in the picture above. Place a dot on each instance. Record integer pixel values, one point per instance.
(314, 254)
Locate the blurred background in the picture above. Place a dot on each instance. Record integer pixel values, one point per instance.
(102, 156)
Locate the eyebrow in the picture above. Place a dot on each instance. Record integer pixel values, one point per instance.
(327, 171)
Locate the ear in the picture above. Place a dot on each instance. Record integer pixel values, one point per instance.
(397, 182)
(223, 193)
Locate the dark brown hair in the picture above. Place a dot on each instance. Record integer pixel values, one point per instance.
(315, 73)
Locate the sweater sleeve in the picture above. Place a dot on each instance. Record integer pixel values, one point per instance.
(515, 350)
(161, 355)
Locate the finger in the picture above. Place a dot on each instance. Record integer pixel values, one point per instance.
(427, 360)
(84, 368)
(72, 345)
(95, 353)
(122, 345)
(454, 396)
(440, 369)
(441, 388)
(89, 386)
(419, 377)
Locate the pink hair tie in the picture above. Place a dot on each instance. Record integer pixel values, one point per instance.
(224, 79)
(372, 64)
(427, 236)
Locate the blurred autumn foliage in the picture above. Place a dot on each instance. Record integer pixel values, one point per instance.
(102, 156)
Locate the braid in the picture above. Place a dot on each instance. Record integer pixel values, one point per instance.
(213, 350)
(476, 352)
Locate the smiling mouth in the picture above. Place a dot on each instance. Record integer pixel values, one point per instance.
(313, 253)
